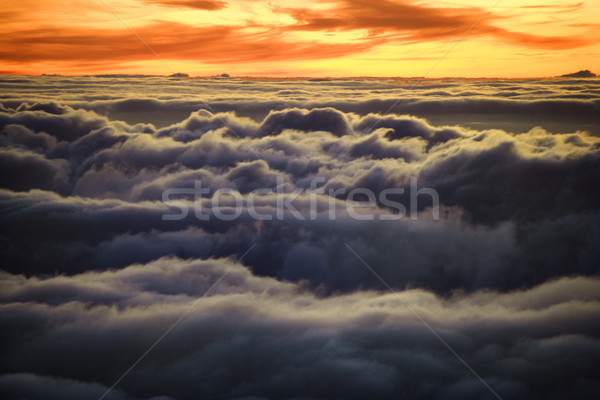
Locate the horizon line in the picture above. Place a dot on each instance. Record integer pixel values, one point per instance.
(182, 75)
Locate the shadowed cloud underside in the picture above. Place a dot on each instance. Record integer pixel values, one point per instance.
(92, 274)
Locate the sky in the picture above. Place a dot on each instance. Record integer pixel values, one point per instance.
(337, 38)
(277, 234)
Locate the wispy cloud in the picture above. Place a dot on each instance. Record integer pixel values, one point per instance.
(218, 32)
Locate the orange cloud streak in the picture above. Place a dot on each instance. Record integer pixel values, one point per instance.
(216, 44)
(194, 4)
(406, 22)
(27, 39)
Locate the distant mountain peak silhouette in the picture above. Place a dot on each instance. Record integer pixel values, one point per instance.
(581, 74)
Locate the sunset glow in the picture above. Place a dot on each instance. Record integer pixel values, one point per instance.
(293, 38)
(277, 200)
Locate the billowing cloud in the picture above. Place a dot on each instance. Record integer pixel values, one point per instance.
(93, 273)
(257, 336)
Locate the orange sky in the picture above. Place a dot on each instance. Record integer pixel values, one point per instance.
(299, 38)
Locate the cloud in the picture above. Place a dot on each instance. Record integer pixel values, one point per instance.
(241, 38)
(21, 136)
(509, 185)
(92, 274)
(31, 170)
(439, 255)
(220, 44)
(259, 336)
(511, 194)
(64, 126)
(327, 120)
(31, 386)
(208, 5)
(406, 21)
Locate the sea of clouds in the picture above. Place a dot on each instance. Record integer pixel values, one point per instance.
(93, 273)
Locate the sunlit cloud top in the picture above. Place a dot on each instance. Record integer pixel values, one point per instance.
(299, 38)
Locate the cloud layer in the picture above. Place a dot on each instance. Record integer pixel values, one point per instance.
(92, 274)
(261, 337)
